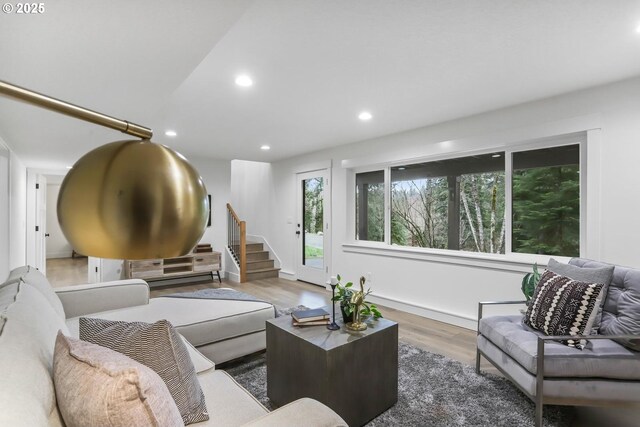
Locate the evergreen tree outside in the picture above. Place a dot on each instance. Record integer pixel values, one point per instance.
(546, 210)
(313, 205)
(375, 212)
(370, 191)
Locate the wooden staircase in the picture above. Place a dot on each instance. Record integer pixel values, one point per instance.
(253, 261)
(259, 265)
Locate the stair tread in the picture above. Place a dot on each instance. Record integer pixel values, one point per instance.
(263, 270)
(258, 260)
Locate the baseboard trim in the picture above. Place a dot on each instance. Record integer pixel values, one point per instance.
(233, 277)
(288, 275)
(461, 320)
(61, 254)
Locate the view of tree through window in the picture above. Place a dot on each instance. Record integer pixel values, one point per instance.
(370, 206)
(419, 212)
(459, 203)
(482, 220)
(546, 201)
(450, 204)
(313, 206)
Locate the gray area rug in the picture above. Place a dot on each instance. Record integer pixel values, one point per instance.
(433, 390)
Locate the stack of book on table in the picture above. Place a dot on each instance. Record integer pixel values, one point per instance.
(309, 317)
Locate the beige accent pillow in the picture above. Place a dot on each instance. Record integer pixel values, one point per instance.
(96, 386)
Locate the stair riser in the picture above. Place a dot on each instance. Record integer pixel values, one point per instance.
(257, 256)
(254, 247)
(262, 275)
(268, 263)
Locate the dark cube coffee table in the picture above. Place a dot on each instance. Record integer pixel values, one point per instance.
(353, 373)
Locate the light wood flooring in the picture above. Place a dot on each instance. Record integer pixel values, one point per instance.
(67, 271)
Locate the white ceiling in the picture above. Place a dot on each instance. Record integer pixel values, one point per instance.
(315, 63)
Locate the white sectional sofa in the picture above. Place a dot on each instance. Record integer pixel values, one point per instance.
(31, 313)
(222, 330)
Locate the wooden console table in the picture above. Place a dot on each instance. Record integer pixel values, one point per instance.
(195, 264)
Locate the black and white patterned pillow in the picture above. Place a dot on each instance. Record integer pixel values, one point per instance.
(159, 347)
(563, 306)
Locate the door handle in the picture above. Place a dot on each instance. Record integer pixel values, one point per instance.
(46, 234)
(298, 232)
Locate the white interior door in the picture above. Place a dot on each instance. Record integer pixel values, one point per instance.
(313, 220)
(41, 223)
(4, 213)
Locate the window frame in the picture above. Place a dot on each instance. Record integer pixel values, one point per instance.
(579, 138)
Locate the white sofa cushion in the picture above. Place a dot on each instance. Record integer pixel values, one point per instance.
(200, 321)
(200, 362)
(27, 396)
(79, 300)
(33, 277)
(228, 403)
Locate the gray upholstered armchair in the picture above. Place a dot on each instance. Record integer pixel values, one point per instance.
(605, 373)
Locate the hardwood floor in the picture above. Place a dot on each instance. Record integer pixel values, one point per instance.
(67, 271)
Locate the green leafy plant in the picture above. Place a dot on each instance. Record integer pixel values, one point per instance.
(343, 296)
(529, 282)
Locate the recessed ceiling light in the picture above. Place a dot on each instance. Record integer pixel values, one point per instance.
(69, 167)
(401, 168)
(171, 133)
(265, 147)
(496, 155)
(244, 80)
(364, 116)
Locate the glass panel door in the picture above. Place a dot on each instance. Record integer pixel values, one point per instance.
(312, 226)
(313, 220)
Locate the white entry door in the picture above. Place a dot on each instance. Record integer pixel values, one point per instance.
(313, 233)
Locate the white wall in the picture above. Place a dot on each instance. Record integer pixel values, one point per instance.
(251, 194)
(447, 287)
(18, 212)
(12, 210)
(4, 212)
(57, 245)
(217, 178)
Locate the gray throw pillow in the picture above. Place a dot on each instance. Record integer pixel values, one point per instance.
(601, 275)
(159, 347)
(563, 306)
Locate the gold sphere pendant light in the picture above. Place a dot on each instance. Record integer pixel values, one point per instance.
(126, 199)
(133, 200)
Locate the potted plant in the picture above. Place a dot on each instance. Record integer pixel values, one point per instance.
(529, 283)
(344, 295)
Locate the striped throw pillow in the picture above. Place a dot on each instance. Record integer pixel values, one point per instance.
(159, 347)
(563, 306)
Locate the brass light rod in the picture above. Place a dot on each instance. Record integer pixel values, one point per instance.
(72, 110)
